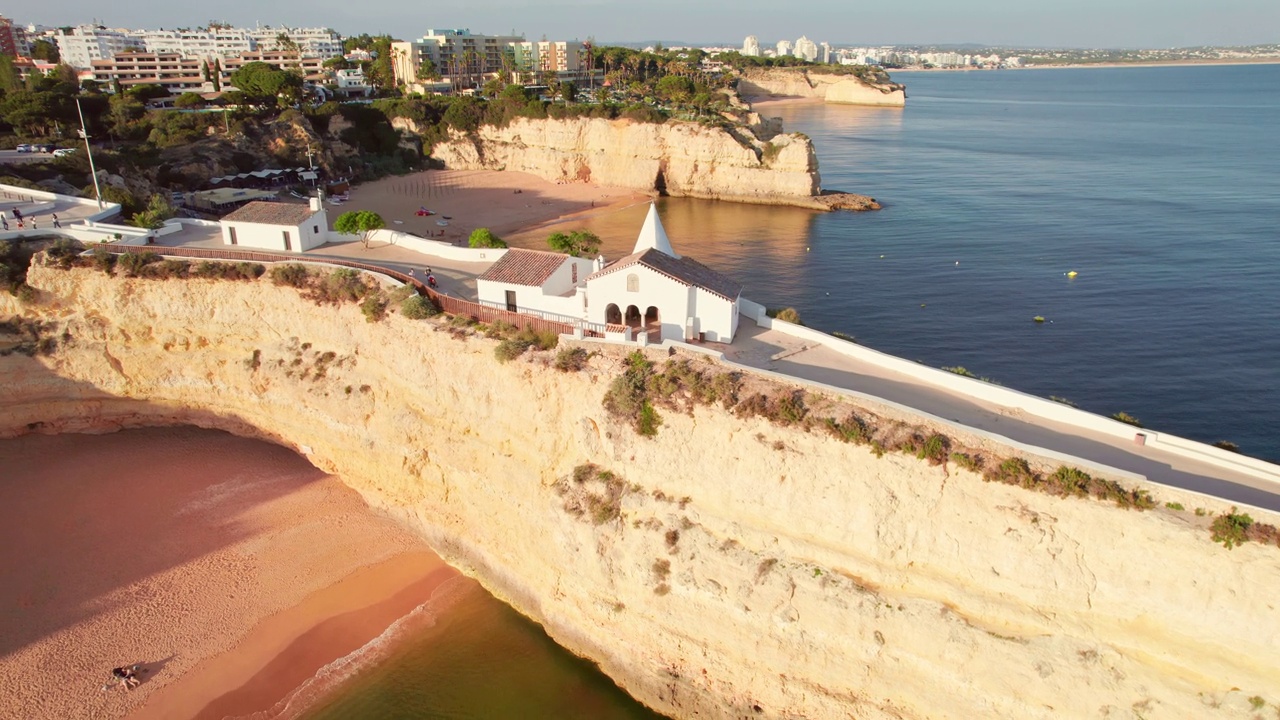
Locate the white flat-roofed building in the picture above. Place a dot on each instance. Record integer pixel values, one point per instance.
(318, 42)
(289, 227)
(456, 54)
(312, 68)
(200, 43)
(87, 43)
(751, 46)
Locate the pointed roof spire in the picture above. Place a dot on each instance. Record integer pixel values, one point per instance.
(653, 236)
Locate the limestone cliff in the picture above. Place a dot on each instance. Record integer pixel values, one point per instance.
(681, 159)
(801, 83)
(748, 570)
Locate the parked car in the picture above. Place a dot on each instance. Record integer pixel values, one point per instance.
(42, 148)
(63, 152)
(24, 148)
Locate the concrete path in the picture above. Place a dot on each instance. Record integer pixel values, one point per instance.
(771, 350)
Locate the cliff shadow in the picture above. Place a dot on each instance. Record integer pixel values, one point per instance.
(90, 523)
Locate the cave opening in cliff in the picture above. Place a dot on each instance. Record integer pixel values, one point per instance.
(660, 182)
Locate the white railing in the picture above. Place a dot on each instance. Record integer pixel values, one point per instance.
(546, 315)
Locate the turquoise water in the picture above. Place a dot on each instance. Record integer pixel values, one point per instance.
(1159, 186)
(480, 660)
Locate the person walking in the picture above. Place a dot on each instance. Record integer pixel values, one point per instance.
(17, 214)
(5, 222)
(55, 221)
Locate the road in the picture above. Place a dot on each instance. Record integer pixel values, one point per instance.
(11, 157)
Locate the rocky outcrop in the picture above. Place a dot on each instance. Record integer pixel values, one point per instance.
(778, 83)
(732, 567)
(681, 159)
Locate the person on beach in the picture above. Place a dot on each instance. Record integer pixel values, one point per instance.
(127, 677)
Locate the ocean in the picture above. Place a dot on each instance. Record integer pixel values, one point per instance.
(1158, 186)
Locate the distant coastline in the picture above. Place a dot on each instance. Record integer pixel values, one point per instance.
(1153, 63)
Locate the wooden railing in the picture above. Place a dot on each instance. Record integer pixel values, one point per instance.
(447, 303)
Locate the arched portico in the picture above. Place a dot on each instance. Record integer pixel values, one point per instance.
(633, 318)
(653, 323)
(613, 314)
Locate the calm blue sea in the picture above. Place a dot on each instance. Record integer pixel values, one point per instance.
(1159, 186)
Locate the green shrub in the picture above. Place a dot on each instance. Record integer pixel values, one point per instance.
(790, 315)
(1227, 445)
(571, 359)
(418, 307)
(1231, 529)
(374, 307)
(969, 462)
(1174, 506)
(935, 449)
(961, 370)
(1062, 400)
(341, 285)
(510, 349)
(292, 275)
(648, 422)
(103, 259)
(628, 395)
(1127, 419)
(133, 263)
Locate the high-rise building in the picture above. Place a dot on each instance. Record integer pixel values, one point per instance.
(784, 48)
(567, 59)
(804, 48)
(751, 46)
(825, 51)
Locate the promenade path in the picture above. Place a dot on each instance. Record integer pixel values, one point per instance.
(771, 350)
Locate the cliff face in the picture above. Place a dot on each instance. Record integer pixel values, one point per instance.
(846, 89)
(750, 570)
(681, 159)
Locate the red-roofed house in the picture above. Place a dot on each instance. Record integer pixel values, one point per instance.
(291, 227)
(536, 280)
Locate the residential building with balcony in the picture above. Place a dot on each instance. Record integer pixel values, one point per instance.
(312, 68)
(86, 43)
(171, 71)
(13, 39)
(199, 43)
(460, 57)
(312, 42)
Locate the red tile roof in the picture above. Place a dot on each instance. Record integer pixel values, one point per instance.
(524, 267)
(272, 213)
(683, 270)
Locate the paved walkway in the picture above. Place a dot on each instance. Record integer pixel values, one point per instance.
(771, 350)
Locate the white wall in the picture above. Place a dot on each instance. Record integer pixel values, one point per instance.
(432, 248)
(716, 316)
(12, 192)
(311, 234)
(530, 299)
(1022, 402)
(561, 281)
(673, 299)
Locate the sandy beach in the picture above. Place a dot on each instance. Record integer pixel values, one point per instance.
(502, 201)
(230, 570)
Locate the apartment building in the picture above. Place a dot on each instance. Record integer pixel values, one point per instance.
(456, 53)
(312, 67)
(567, 59)
(171, 71)
(200, 43)
(87, 43)
(13, 39)
(312, 42)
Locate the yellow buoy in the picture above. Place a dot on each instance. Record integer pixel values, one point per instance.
(1072, 274)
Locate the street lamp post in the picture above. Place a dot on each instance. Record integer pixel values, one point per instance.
(84, 133)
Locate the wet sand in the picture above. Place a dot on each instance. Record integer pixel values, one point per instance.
(180, 549)
(480, 198)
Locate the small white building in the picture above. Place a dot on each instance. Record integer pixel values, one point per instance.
(277, 226)
(670, 297)
(536, 280)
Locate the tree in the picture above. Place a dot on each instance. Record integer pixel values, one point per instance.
(45, 50)
(287, 44)
(428, 71)
(188, 100)
(568, 91)
(67, 74)
(484, 238)
(264, 81)
(144, 93)
(359, 222)
(576, 243)
(675, 88)
(158, 210)
(9, 79)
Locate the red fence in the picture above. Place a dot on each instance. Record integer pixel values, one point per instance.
(447, 303)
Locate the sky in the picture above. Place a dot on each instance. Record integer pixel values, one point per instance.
(1016, 23)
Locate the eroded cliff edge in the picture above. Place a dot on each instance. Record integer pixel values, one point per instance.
(777, 83)
(676, 158)
(751, 571)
